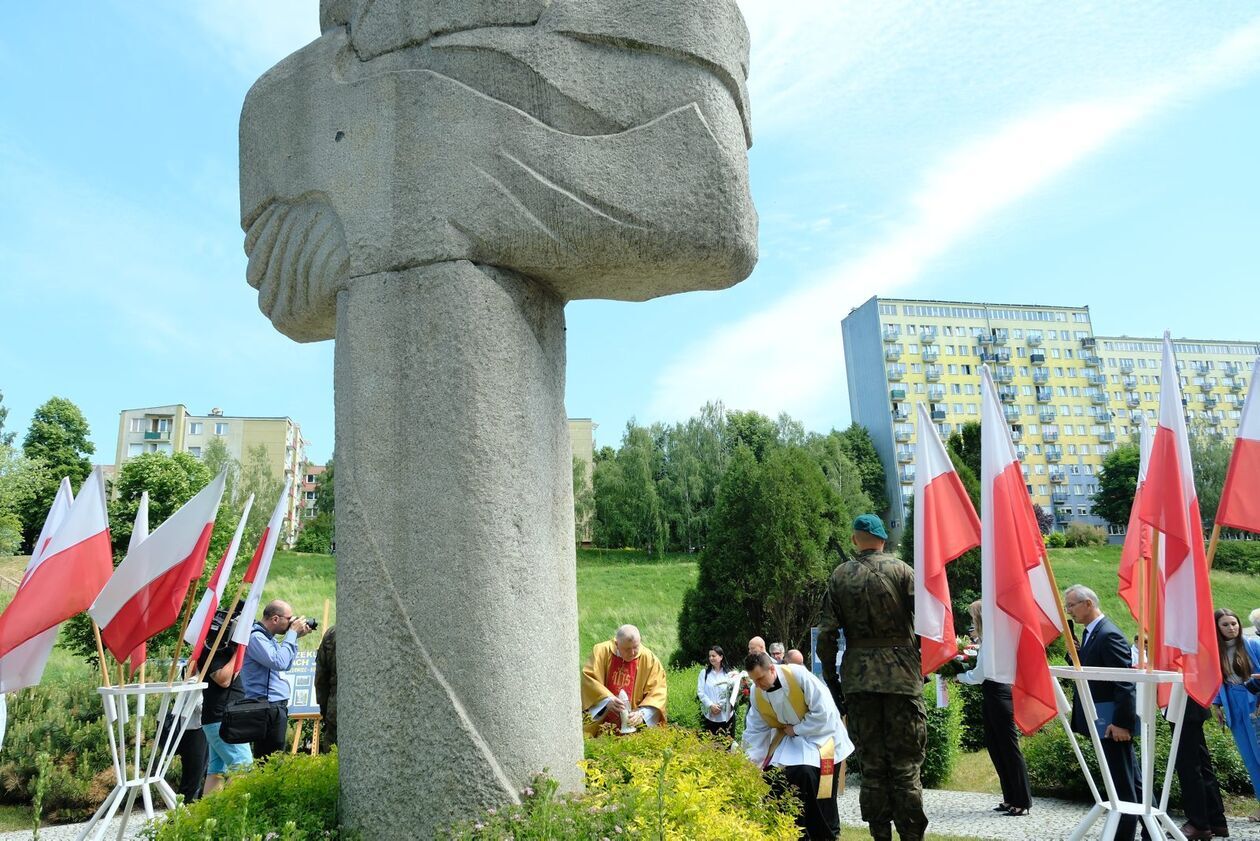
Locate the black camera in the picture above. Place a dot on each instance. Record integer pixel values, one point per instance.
(310, 623)
(216, 623)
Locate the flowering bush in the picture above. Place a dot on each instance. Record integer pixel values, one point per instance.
(662, 783)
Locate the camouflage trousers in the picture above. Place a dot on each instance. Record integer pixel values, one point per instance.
(890, 734)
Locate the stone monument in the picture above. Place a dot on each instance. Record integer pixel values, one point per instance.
(429, 182)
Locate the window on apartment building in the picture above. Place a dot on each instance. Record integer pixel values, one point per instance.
(1043, 490)
(949, 350)
(1039, 469)
(955, 388)
(195, 427)
(913, 348)
(916, 367)
(310, 478)
(135, 425)
(966, 369)
(919, 388)
(958, 408)
(1060, 391)
(1025, 390)
(134, 450)
(971, 408)
(1071, 448)
(164, 425)
(1020, 351)
(310, 495)
(195, 452)
(1055, 353)
(969, 388)
(949, 331)
(220, 428)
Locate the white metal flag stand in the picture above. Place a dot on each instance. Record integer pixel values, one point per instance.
(141, 767)
(1152, 815)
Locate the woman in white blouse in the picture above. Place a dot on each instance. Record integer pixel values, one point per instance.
(714, 688)
(1000, 735)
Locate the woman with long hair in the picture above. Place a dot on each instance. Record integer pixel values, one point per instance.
(1240, 659)
(713, 688)
(1001, 738)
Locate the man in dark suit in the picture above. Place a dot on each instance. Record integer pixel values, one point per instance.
(1103, 644)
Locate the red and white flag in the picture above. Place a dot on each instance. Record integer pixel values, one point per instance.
(139, 532)
(76, 563)
(1137, 538)
(24, 666)
(259, 567)
(1240, 498)
(199, 626)
(144, 596)
(1019, 608)
(1171, 506)
(945, 526)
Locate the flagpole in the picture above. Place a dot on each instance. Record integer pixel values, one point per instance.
(1143, 612)
(100, 653)
(1153, 590)
(218, 638)
(1216, 536)
(1069, 641)
(179, 640)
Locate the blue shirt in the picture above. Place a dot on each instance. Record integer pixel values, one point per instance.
(265, 659)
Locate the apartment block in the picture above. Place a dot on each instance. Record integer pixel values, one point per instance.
(173, 429)
(310, 488)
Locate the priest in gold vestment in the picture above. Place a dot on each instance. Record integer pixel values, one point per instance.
(619, 665)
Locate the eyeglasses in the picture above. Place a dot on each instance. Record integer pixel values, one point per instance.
(1070, 605)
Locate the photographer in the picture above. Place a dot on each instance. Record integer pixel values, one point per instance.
(265, 659)
(223, 686)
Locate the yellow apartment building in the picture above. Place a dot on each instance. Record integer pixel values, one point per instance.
(173, 429)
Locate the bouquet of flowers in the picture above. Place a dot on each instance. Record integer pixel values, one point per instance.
(963, 661)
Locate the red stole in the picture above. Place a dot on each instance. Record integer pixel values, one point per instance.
(621, 674)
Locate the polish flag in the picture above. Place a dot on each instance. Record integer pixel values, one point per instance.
(1137, 538)
(1018, 605)
(24, 666)
(1171, 506)
(144, 596)
(256, 575)
(199, 626)
(1240, 498)
(75, 564)
(945, 526)
(139, 532)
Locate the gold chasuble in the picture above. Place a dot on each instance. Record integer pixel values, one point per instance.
(604, 674)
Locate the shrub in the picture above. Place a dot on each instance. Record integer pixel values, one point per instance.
(1238, 556)
(666, 783)
(1079, 534)
(65, 722)
(942, 739)
(1056, 540)
(971, 713)
(287, 798)
(684, 707)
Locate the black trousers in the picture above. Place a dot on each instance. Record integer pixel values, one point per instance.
(725, 728)
(1001, 738)
(819, 820)
(1121, 762)
(194, 757)
(276, 738)
(1200, 791)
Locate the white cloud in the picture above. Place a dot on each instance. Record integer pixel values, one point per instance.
(789, 356)
(253, 36)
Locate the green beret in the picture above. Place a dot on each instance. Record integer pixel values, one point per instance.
(870, 524)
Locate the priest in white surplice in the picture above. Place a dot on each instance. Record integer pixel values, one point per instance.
(793, 724)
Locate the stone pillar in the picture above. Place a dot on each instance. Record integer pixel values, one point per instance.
(455, 536)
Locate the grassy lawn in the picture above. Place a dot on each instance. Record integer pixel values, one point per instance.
(616, 587)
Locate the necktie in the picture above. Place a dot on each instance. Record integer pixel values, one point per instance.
(1084, 637)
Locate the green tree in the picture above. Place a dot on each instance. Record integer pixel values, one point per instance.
(860, 448)
(583, 500)
(1117, 483)
(1210, 456)
(753, 430)
(316, 535)
(258, 478)
(58, 439)
(325, 491)
(966, 444)
(6, 438)
(844, 476)
(216, 457)
(20, 479)
(627, 506)
(767, 559)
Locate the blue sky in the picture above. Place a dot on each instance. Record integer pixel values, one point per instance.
(1100, 154)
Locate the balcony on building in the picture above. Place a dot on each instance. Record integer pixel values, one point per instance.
(906, 476)
(896, 394)
(1233, 384)
(1129, 383)
(1209, 401)
(1107, 436)
(891, 334)
(927, 335)
(896, 373)
(1058, 477)
(1044, 395)
(1201, 368)
(1049, 433)
(1206, 386)
(1017, 433)
(892, 353)
(1037, 358)
(931, 353)
(936, 393)
(1054, 455)
(157, 435)
(900, 413)
(932, 372)
(1062, 513)
(1002, 354)
(1048, 416)
(1215, 419)
(1097, 379)
(1007, 395)
(1092, 361)
(1089, 342)
(1058, 497)
(984, 339)
(999, 336)
(1003, 374)
(1098, 397)
(1041, 376)
(1021, 452)
(1104, 417)
(938, 415)
(1133, 399)
(902, 435)
(1126, 367)
(1033, 339)
(1231, 368)
(1011, 412)
(905, 455)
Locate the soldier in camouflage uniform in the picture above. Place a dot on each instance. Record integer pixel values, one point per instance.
(871, 598)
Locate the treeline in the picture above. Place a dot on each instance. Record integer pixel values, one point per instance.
(657, 492)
